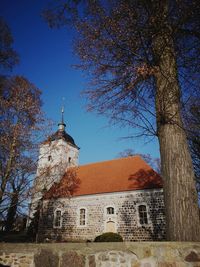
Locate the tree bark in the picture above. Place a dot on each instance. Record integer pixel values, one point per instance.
(11, 215)
(181, 202)
(8, 169)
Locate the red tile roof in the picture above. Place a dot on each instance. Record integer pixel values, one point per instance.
(124, 174)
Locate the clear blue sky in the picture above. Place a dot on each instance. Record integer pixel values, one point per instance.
(46, 59)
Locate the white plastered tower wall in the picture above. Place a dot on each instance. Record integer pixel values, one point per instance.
(56, 155)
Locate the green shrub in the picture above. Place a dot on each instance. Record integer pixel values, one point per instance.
(109, 237)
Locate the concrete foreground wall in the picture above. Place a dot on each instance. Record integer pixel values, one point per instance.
(127, 254)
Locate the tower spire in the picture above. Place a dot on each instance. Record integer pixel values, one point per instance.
(62, 115)
(62, 125)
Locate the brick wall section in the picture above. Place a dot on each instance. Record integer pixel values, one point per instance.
(125, 219)
(142, 254)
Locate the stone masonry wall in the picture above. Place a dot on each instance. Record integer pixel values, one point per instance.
(125, 219)
(143, 254)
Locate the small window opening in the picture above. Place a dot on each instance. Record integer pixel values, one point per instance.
(49, 158)
(143, 214)
(110, 210)
(57, 218)
(82, 217)
(69, 159)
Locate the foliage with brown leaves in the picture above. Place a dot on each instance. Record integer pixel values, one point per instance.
(20, 120)
(8, 57)
(143, 60)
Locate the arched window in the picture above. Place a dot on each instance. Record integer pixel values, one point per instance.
(82, 217)
(57, 218)
(110, 210)
(143, 218)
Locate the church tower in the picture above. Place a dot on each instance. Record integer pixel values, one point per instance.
(56, 154)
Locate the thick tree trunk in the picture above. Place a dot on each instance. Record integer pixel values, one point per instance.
(182, 212)
(181, 202)
(8, 170)
(11, 215)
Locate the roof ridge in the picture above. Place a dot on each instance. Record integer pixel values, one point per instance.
(110, 160)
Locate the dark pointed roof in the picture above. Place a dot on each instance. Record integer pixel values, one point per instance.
(61, 134)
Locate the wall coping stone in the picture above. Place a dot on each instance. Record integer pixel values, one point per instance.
(96, 247)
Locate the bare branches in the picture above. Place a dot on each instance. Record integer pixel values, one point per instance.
(8, 57)
(135, 53)
(20, 122)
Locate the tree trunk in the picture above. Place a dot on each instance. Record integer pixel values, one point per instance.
(8, 169)
(12, 211)
(181, 202)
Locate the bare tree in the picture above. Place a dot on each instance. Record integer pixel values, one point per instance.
(21, 129)
(191, 114)
(141, 57)
(18, 190)
(8, 57)
(20, 124)
(153, 162)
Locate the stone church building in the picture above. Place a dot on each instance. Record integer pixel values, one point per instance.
(78, 203)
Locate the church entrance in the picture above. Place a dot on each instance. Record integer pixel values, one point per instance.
(110, 227)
